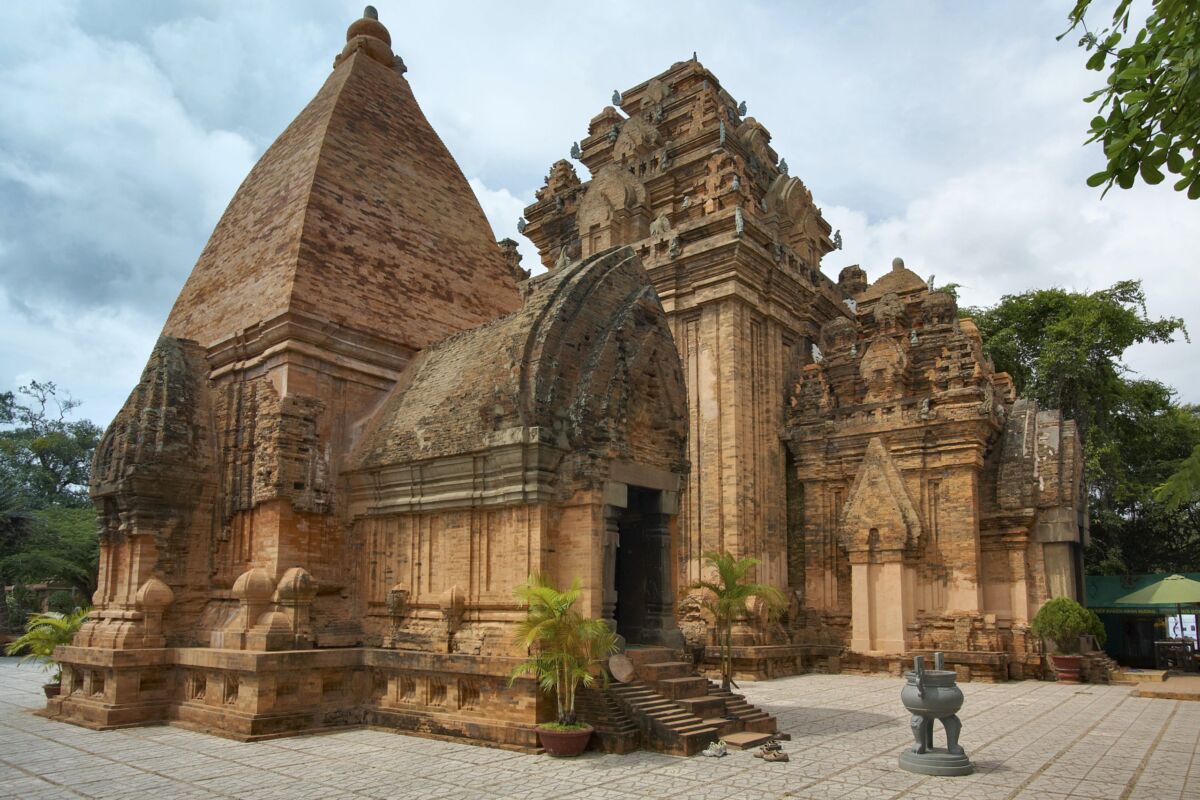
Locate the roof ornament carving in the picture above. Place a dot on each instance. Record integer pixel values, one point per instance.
(576, 153)
(656, 92)
(616, 97)
(739, 223)
(369, 36)
(741, 109)
(521, 223)
(722, 133)
(783, 166)
(837, 239)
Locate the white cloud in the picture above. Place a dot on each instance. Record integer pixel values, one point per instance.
(97, 355)
(503, 209)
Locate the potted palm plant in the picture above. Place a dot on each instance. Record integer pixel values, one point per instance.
(565, 650)
(43, 633)
(1061, 622)
(725, 598)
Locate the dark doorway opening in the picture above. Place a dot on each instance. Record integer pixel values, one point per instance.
(642, 576)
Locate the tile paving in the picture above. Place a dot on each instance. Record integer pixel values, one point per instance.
(1028, 740)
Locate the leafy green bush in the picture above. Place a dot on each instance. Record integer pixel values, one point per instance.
(45, 632)
(19, 603)
(1063, 620)
(63, 601)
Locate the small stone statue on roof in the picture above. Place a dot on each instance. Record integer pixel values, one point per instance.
(783, 167)
(575, 151)
(742, 109)
(616, 98)
(837, 239)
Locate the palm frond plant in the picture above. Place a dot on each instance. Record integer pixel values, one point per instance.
(43, 633)
(725, 597)
(564, 646)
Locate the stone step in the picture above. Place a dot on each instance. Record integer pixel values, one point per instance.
(665, 670)
(724, 727)
(703, 706)
(765, 725)
(746, 740)
(678, 688)
(649, 655)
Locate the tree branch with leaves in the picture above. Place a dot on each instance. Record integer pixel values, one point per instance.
(1149, 109)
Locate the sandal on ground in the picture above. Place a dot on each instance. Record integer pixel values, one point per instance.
(770, 747)
(775, 755)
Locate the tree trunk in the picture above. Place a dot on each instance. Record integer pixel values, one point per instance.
(727, 657)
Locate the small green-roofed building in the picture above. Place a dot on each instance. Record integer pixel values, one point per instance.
(1132, 628)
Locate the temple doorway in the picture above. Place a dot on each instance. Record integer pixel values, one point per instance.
(644, 603)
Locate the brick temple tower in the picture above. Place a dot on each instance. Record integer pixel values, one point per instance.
(733, 245)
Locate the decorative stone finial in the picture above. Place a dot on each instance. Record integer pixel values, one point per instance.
(741, 109)
(616, 98)
(897, 263)
(370, 36)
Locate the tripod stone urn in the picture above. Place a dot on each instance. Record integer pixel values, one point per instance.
(931, 695)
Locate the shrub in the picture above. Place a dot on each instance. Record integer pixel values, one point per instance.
(63, 601)
(1063, 620)
(564, 645)
(45, 632)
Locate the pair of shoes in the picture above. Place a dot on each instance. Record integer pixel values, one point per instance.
(775, 755)
(715, 750)
(771, 746)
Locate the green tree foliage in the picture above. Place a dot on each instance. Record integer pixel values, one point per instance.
(48, 528)
(1183, 486)
(725, 597)
(1064, 350)
(45, 455)
(61, 546)
(15, 519)
(1149, 109)
(565, 647)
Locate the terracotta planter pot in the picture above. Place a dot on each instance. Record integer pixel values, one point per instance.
(51, 689)
(565, 744)
(1067, 668)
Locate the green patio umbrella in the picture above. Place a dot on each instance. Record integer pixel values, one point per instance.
(1172, 590)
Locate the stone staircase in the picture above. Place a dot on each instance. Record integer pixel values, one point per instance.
(1099, 667)
(615, 731)
(751, 717)
(678, 711)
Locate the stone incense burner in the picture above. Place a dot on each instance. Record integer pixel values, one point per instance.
(933, 695)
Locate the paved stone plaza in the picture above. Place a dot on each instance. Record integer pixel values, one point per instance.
(1028, 740)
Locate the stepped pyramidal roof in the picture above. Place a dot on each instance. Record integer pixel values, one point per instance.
(357, 217)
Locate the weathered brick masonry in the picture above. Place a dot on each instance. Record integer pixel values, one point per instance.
(364, 424)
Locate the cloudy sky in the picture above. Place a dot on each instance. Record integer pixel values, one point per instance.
(949, 133)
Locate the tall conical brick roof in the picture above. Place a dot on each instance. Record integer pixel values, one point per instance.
(357, 216)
